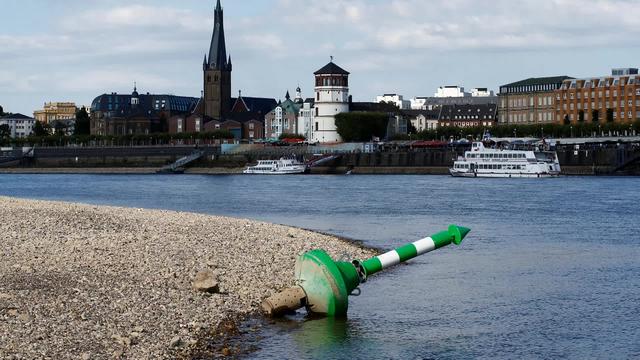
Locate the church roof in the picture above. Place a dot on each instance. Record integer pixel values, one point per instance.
(331, 69)
(218, 49)
(256, 104)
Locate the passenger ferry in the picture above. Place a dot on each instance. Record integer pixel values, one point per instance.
(277, 167)
(499, 163)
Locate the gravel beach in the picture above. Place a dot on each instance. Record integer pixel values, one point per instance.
(97, 282)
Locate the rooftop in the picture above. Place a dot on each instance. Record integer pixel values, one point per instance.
(331, 69)
(539, 81)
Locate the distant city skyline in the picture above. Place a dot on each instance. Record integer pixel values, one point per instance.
(86, 48)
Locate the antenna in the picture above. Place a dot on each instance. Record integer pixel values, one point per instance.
(331, 56)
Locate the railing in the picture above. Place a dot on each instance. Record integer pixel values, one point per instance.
(180, 163)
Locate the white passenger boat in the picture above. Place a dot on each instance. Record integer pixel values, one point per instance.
(501, 163)
(283, 166)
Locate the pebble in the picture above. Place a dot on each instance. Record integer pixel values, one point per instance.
(102, 282)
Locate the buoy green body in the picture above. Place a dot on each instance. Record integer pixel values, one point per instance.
(327, 284)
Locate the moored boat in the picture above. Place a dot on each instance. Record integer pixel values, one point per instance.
(283, 166)
(506, 163)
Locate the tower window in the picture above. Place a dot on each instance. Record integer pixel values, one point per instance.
(209, 78)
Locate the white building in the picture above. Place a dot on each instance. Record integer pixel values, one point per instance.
(20, 126)
(450, 91)
(306, 119)
(332, 98)
(482, 92)
(396, 99)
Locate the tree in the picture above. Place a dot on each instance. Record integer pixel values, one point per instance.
(362, 126)
(581, 116)
(41, 130)
(164, 124)
(1, 111)
(566, 120)
(83, 123)
(609, 115)
(292, 136)
(595, 116)
(5, 131)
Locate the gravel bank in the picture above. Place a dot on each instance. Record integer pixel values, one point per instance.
(95, 282)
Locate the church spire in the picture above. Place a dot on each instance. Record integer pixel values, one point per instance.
(218, 49)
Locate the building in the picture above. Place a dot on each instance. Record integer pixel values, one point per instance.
(482, 92)
(56, 111)
(217, 71)
(332, 98)
(282, 119)
(423, 120)
(614, 98)
(116, 114)
(450, 91)
(396, 99)
(20, 126)
(434, 103)
(306, 118)
(468, 115)
(530, 101)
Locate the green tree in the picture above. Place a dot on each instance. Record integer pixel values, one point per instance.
(1, 111)
(609, 115)
(581, 116)
(41, 130)
(164, 124)
(566, 120)
(595, 116)
(5, 132)
(83, 123)
(291, 136)
(362, 126)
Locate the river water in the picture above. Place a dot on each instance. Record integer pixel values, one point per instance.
(551, 268)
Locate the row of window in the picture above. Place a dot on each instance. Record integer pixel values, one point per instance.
(497, 156)
(600, 104)
(529, 117)
(600, 83)
(616, 115)
(606, 93)
(521, 102)
(491, 167)
(529, 88)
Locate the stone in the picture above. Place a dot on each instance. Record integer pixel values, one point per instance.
(205, 281)
(176, 342)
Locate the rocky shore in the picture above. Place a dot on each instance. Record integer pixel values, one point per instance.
(96, 282)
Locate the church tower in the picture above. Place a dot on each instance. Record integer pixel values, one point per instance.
(217, 71)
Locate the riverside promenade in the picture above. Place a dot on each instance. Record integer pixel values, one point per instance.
(95, 282)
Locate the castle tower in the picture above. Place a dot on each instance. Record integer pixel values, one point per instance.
(332, 98)
(217, 71)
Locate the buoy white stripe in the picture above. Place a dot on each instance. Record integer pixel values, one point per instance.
(389, 259)
(425, 245)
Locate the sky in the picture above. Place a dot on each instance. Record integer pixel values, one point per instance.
(75, 50)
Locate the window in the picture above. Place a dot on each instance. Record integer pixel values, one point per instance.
(251, 126)
(317, 126)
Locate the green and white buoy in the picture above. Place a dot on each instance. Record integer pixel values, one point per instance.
(324, 285)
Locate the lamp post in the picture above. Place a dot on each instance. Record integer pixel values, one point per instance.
(571, 129)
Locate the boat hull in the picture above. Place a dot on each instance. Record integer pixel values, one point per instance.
(250, 172)
(470, 174)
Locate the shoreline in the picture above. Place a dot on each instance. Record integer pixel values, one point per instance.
(86, 281)
(363, 171)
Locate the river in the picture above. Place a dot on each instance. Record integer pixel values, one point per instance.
(551, 268)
